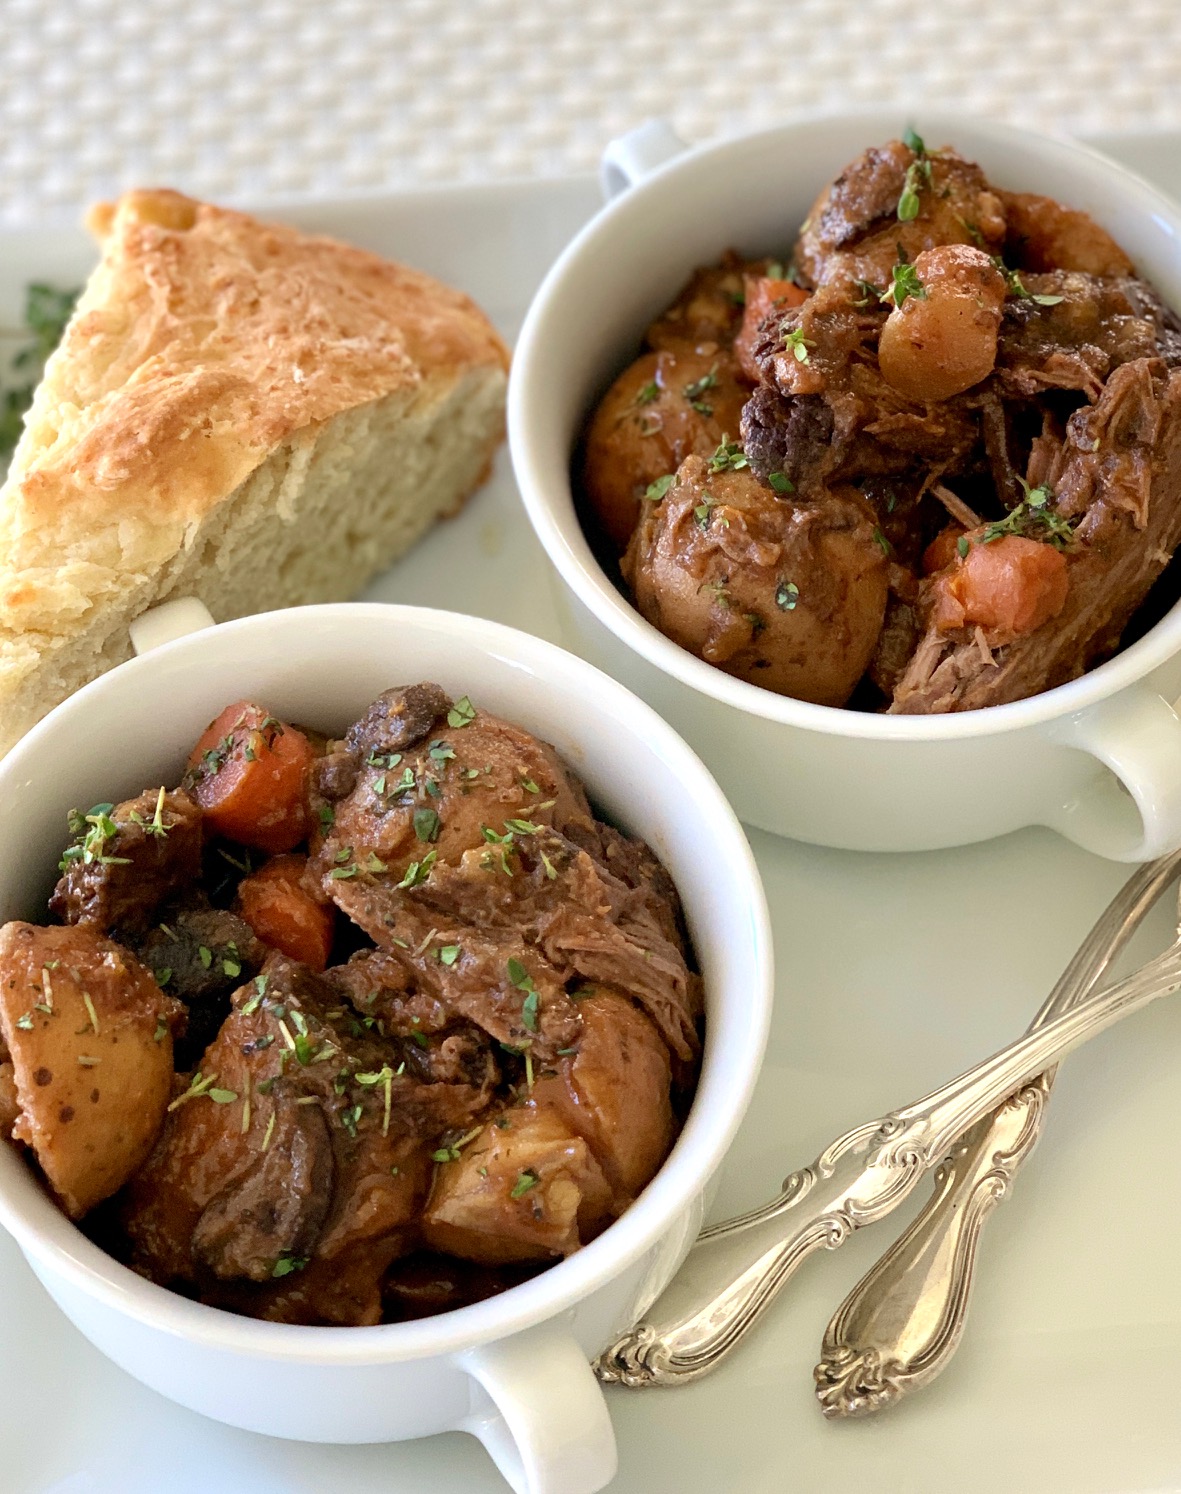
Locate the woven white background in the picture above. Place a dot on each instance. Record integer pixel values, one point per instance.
(237, 98)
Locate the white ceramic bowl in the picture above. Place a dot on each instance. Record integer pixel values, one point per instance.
(837, 777)
(513, 1370)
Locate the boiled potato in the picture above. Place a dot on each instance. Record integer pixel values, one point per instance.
(942, 339)
(526, 1188)
(786, 595)
(88, 1030)
(664, 407)
(614, 1091)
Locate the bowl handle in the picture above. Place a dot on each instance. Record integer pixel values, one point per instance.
(540, 1412)
(168, 621)
(1132, 812)
(628, 158)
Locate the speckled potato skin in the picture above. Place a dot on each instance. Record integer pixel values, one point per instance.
(711, 566)
(91, 1102)
(939, 344)
(633, 440)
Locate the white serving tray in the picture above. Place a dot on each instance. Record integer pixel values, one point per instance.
(894, 973)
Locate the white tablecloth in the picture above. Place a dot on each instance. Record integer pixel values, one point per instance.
(248, 98)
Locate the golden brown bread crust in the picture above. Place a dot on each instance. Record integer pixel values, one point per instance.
(203, 340)
(207, 351)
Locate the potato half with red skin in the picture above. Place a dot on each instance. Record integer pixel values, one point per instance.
(786, 595)
(663, 408)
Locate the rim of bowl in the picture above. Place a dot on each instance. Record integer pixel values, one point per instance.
(551, 507)
(719, 1103)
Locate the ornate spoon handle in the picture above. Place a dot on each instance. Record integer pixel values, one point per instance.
(900, 1325)
(736, 1269)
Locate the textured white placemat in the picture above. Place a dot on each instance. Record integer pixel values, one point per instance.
(249, 98)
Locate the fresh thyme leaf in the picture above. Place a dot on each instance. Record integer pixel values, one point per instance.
(287, 1263)
(904, 282)
(426, 824)
(655, 491)
(1033, 518)
(729, 457)
(462, 713)
(525, 1180)
(781, 483)
(797, 343)
(787, 594)
(697, 388)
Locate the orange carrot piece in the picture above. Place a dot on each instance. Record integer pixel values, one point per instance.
(282, 914)
(762, 295)
(1011, 586)
(942, 550)
(249, 773)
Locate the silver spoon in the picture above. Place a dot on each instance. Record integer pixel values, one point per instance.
(900, 1325)
(737, 1268)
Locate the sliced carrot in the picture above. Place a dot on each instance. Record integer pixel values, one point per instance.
(762, 296)
(274, 903)
(942, 550)
(249, 773)
(1011, 585)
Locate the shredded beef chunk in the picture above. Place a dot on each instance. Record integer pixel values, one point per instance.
(464, 862)
(214, 1203)
(1116, 477)
(126, 860)
(200, 955)
(854, 231)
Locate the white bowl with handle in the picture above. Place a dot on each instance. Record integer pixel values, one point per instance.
(513, 1370)
(1098, 759)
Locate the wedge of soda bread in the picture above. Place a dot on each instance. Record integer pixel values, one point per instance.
(237, 412)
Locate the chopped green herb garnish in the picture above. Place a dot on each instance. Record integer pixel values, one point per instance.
(655, 491)
(25, 1022)
(525, 1180)
(418, 871)
(288, 1262)
(205, 955)
(905, 282)
(449, 953)
(698, 387)
(780, 482)
(729, 457)
(795, 342)
(426, 824)
(787, 594)
(462, 713)
(647, 393)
